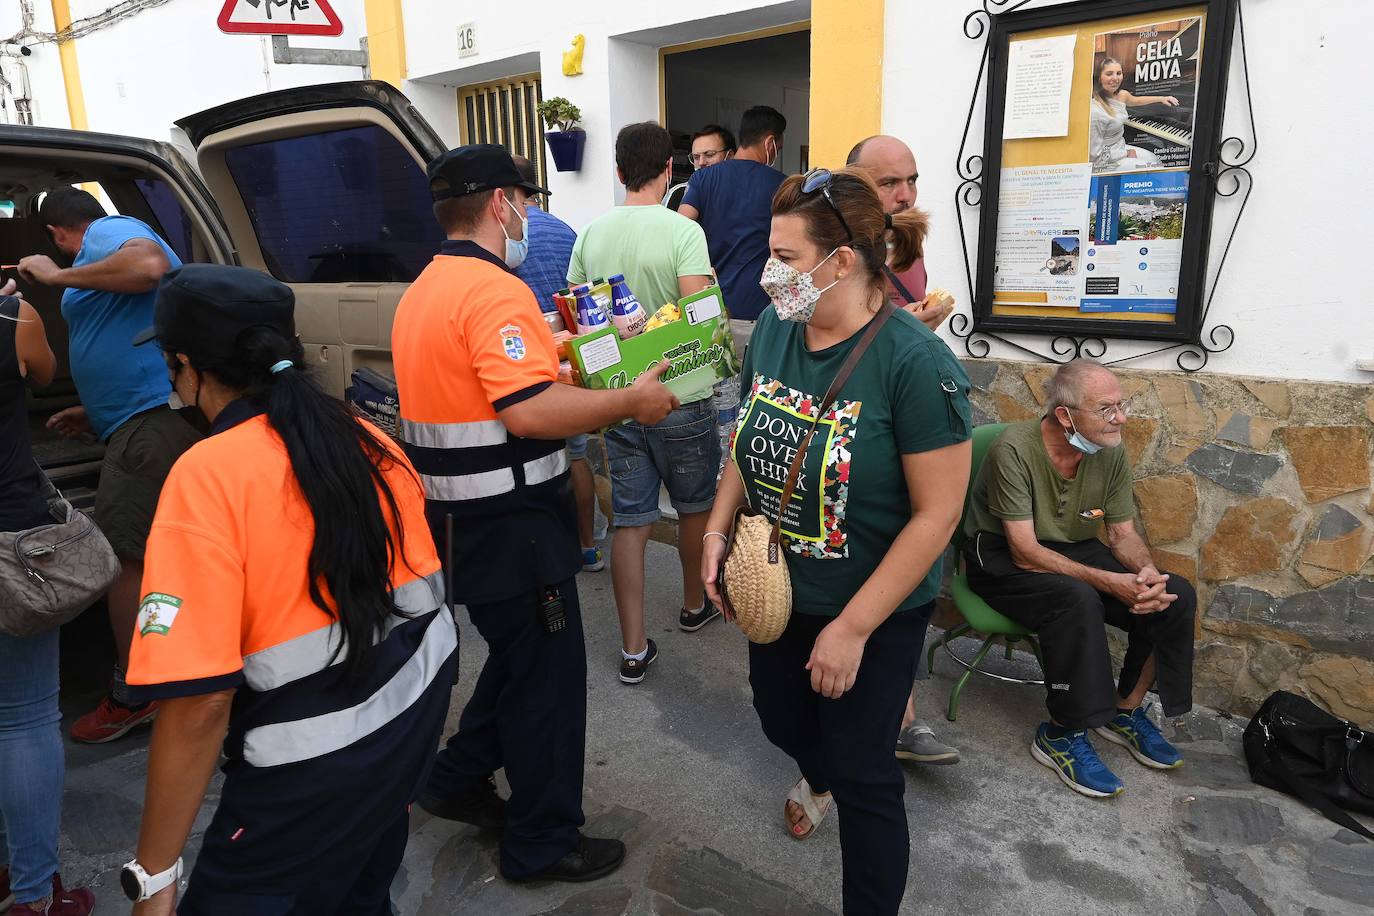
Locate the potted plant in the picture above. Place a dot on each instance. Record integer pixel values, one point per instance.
(566, 140)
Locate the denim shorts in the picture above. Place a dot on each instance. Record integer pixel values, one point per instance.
(577, 446)
(682, 452)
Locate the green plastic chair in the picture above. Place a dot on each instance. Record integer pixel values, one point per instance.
(978, 617)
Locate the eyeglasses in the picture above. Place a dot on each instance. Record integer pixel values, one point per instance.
(1109, 412)
(820, 180)
(699, 158)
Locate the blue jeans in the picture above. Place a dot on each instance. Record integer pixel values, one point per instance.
(680, 452)
(31, 761)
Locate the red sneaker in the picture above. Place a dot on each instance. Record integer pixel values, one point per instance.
(110, 720)
(75, 902)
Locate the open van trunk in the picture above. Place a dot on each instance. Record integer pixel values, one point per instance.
(323, 187)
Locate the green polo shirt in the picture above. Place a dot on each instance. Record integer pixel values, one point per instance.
(1018, 481)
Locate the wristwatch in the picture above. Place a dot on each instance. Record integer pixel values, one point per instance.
(139, 885)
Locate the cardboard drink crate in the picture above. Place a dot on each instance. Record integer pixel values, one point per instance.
(698, 344)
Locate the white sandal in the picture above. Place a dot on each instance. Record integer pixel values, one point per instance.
(807, 800)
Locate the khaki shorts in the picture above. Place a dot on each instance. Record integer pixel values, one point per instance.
(138, 456)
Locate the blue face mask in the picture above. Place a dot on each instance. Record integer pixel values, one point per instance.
(1078, 442)
(517, 249)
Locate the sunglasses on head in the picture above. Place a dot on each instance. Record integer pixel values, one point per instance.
(820, 180)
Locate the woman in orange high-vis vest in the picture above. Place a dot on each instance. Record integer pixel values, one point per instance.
(293, 614)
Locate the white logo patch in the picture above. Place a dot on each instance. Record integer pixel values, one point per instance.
(513, 342)
(157, 612)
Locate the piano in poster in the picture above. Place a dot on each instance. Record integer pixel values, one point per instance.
(1144, 90)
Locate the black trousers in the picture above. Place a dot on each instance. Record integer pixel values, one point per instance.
(360, 886)
(528, 715)
(1068, 615)
(845, 746)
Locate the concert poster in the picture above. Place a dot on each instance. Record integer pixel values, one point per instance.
(1143, 89)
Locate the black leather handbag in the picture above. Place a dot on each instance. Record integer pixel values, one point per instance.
(1295, 747)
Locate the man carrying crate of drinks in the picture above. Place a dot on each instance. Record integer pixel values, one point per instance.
(662, 257)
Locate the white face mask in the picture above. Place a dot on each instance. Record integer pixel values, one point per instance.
(516, 249)
(793, 292)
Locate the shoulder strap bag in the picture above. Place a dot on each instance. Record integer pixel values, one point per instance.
(754, 580)
(50, 574)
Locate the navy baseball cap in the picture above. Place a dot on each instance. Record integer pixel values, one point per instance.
(477, 167)
(201, 308)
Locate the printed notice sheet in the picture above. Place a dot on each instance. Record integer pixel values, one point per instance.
(1040, 231)
(1039, 84)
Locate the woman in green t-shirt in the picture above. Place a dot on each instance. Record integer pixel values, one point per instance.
(880, 491)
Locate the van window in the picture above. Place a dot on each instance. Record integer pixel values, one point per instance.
(340, 206)
(176, 227)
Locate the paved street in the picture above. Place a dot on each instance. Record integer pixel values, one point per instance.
(678, 768)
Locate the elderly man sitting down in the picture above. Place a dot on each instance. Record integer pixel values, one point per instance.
(1043, 494)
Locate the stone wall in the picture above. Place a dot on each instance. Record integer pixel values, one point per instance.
(1258, 490)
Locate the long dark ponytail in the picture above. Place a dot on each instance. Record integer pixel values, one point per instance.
(339, 466)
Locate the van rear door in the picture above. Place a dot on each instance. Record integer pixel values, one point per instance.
(324, 188)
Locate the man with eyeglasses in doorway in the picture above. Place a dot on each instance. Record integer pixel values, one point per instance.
(733, 202)
(1043, 494)
(710, 145)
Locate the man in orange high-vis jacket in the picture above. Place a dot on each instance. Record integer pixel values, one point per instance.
(483, 421)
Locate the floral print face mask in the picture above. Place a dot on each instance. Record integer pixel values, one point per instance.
(792, 291)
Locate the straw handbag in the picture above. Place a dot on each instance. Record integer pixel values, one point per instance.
(754, 580)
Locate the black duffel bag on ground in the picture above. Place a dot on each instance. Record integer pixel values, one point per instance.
(1296, 747)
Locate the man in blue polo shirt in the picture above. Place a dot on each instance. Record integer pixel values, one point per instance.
(110, 287)
(545, 271)
(733, 201)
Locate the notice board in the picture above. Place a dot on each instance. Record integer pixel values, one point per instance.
(1101, 151)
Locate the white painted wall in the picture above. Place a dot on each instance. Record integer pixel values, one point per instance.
(1294, 288)
(43, 66)
(619, 83)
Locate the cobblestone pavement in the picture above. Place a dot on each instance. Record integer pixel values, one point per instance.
(678, 768)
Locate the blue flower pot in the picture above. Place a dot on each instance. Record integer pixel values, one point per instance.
(566, 147)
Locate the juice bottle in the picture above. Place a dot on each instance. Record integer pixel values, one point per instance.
(627, 314)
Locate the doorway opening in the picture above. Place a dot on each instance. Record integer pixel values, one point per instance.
(716, 80)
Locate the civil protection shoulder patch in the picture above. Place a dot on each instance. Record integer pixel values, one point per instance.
(157, 612)
(513, 342)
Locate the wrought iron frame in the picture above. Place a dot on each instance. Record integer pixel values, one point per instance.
(1226, 177)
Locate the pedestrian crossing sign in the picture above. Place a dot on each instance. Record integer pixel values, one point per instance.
(279, 17)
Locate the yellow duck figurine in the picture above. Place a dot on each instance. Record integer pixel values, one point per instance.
(572, 60)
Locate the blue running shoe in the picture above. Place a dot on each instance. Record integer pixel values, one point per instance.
(592, 560)
(1076, 762)
(1137, 734)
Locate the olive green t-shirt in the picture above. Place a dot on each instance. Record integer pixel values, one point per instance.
(907, 395)
(1018, 481)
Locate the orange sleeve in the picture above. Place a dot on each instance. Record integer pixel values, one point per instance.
(511, 346)
(187, 640)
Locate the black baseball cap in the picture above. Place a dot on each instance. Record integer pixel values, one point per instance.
(477, 167)
(201, 308)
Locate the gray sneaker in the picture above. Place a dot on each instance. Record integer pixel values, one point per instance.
(917, 743)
